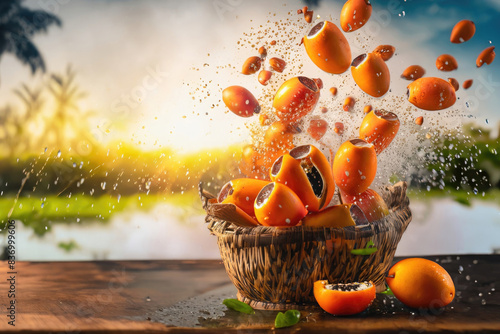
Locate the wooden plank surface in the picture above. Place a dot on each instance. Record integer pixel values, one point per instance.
(181, 296)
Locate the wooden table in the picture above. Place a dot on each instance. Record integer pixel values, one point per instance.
(183, 296)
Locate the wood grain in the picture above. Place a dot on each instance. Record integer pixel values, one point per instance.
(112, 297)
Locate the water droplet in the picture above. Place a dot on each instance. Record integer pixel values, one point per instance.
(480, 294)
(59, 153)
(148, 299)
(487, 122)
(103, 185)
(42, 205)
(483, 301)
(460, 269)
(475, 261)
(467, 277)
(74, 164)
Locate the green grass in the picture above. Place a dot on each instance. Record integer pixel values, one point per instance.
(460, 196)
(40, 213)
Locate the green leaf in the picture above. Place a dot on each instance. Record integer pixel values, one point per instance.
(235, 304)
(387, 291)
(287, 319)
(368, 250)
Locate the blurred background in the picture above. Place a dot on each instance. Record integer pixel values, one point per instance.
(110, 116)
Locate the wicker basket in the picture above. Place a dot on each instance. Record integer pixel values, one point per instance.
(275, 268)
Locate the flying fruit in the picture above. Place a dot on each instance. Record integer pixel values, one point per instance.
(333, 91)
(430, 93)
(379, 127)
(371, 74)
(370, 202)
(263, 52)
(467, 84)
(327, 47)
(385, 51)
(419, 120)
(307, 172)
(462, 31)
(334, 216)
(240, 101)
(348, 103)
(317, 128)
(278, 140)
(251, 65)
(486, 56)
(295, 98)
(339, 128)
(355, 14)
(242, 193)
(413, 72)
(454, 83)
(446, 63)
(264, 77)
(277, 205)
(277, 64)
(252, 164)
(355, 166)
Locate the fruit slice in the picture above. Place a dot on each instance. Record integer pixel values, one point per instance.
(277, 205)
(355, 14)
(295, 98)
(307, 172)
(317, 128)
(413, 72)
(418, 282)
(486, 56)
(251, 65)
(430, 93)
(379, 127)
(371, 74)
(355, 166)
(454, 83)
(385, 51)
(333, 216)
(344, 299)
(240, 101)
(462, 31)
(370, 202)
(242, 193)
(446, 63)
(328, 48)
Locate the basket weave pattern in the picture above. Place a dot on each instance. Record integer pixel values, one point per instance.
(276, 268)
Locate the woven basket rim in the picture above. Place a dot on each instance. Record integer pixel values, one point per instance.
(395, 197)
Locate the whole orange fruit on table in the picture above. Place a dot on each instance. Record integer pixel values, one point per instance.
(421, 283)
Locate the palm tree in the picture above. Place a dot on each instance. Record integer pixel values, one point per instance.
(18, 24)
(33, 103)
(69, 122)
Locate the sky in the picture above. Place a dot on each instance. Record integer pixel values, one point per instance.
(154, 70)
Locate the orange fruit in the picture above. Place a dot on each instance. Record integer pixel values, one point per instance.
(354, 166)
(355, 14)
(431, 93)
(379, 127)
(462, 31)
(421, 283)
(486, 56)
(371, 74)
(413, 72)
(328, 48)
(446, 63)
(295, 98)
(344, 299)
(277, 205)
